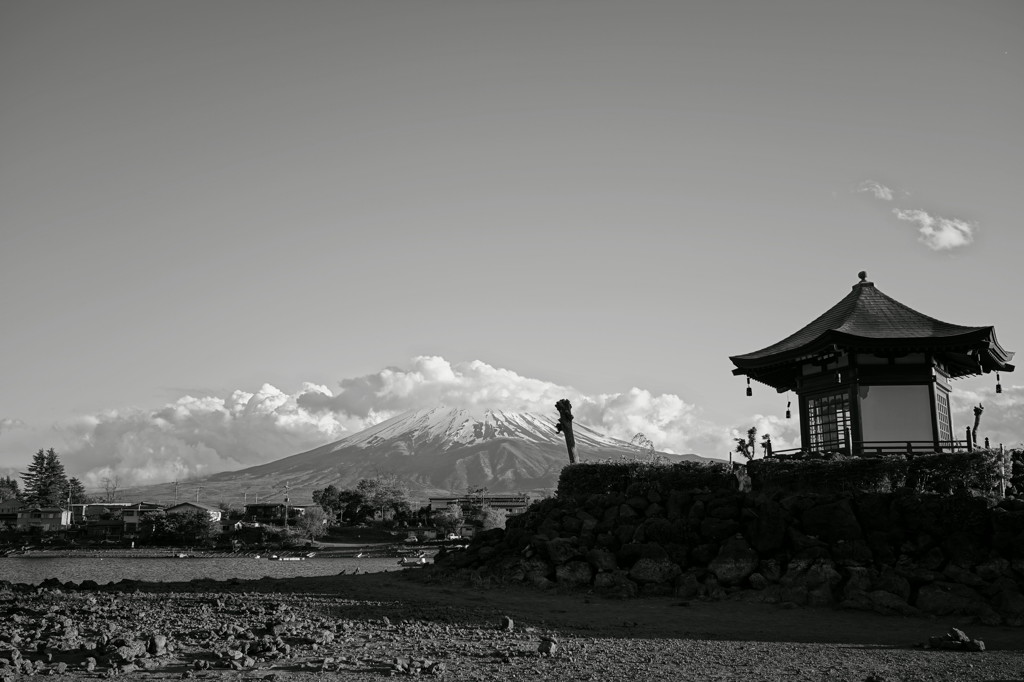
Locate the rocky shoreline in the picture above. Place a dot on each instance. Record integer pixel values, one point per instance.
(454, 626)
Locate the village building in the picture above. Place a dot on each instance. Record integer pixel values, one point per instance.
(511, 503)
(873, 375)
(132, 516)
(272, 513)
(184, 507)
(43, 519)
(9, 513)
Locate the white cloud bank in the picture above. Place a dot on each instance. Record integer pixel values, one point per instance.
(938, 233)
(876, 189)
(198, 436)
(1001, 419)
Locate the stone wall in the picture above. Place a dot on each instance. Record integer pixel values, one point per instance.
(894, 553)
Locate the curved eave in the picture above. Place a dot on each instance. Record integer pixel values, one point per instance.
(974, 352)
(978, 339)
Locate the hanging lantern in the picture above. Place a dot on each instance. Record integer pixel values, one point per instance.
(789, 414)
(750, 391)
(999, 386)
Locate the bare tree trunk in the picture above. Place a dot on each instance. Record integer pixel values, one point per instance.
(564, 408)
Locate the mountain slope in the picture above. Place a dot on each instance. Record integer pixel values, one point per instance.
(437, 451)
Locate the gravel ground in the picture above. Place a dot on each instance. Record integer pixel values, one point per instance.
(420, 623)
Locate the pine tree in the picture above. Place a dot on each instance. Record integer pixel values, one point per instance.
(46, 483)
(77, 492)
(9, 489)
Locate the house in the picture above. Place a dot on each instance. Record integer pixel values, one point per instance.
(511, 503)
(81, 513)
(184, 507)
(43, 519)
(272, 513)
(132, 516)
(9, 513)
(873, 375)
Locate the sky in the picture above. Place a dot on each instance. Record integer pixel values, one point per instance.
(233, 231)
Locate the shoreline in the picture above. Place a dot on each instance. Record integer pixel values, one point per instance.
(422, 620)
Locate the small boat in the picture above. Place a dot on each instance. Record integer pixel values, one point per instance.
(406, 561)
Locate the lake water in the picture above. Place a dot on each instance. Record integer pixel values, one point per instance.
(34, 570)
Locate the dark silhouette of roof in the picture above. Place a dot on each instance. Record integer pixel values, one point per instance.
(867, 319)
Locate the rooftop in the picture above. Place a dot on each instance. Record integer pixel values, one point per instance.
(868, 320)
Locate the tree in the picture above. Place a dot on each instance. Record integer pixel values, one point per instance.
(191, 527)
(46, 483)
(76, 492)
(110, 486)
(489, 518)
(9, 489)
(313, 523)
(747, 446)
(449, 519)
(342, 504)
(385, 492)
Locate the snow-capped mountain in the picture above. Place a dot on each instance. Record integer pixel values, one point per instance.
(446, 428)
(439, 451)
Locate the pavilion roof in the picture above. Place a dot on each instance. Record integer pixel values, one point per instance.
(867, 319)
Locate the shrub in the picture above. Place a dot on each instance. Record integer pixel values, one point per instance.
(943, 473)
(588, 478)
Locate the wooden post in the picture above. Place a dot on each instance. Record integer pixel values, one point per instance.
(564, 408)
(846, 440)
(970, 443)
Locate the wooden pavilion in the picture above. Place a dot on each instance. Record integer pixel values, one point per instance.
(873, 375)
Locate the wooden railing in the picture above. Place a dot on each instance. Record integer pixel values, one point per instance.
(871, 448)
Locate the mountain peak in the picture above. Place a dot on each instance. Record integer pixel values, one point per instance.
(447, 427)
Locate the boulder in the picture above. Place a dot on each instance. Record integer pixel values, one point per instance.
(811, 585)
(561, 550)
(718, 529)
(888, 603)
(959, 574)
(687, 586)
(767, 532)
(574, 573)
(890, 581)
(943, 598)
(1010, 605)
(615, 584)
(602, 560)
(993, 569)
(654, 571)
(659, 530)
(735, 561)
(852, 553)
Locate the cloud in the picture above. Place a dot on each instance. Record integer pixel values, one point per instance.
(1001, 419)
(8, 424)
(200, 435)
(194, 436)
(877, 189)
(938, 233)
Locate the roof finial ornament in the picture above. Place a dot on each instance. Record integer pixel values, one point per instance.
(863, 274)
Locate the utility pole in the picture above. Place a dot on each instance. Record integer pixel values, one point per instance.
(175, 492)
(286, 506)
(197, 494)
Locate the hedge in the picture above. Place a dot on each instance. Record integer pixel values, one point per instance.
(943, 473)
(588, 478)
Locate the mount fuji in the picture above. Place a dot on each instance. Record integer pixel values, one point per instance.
(436, 451)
